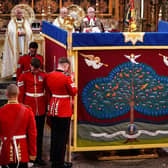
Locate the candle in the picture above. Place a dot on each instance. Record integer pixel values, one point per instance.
(142, 8)
(54, 63)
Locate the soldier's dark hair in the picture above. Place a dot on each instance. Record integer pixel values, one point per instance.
(62, 60)
(33, 45)
(12, 90)
(35, 62)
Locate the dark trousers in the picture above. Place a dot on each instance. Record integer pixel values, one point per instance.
(40, 129)
(59, 138)
(14, 165)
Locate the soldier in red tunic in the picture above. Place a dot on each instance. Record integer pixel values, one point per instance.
(32, 92)
(25, 61)
(62, 88)
(17, 132)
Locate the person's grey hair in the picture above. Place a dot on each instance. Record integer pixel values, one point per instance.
(63, 9)
(74, 15)
(12, 90)
(18, 10)
(63, 60)
(90, 9)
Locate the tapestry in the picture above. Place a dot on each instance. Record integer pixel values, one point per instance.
(122, 81)
(122, 96)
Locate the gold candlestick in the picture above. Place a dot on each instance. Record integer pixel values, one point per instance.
(97, 6)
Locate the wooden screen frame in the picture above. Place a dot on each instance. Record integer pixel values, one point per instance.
(74, 147)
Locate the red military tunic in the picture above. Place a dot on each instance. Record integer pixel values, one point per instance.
(61, 87)
(32, 91)
(17, 134)
(24, 63)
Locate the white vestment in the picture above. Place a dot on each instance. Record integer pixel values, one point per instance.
(91, 25)
(59, 21)
(15, 45)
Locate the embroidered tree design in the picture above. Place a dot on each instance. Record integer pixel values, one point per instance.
(128, 87)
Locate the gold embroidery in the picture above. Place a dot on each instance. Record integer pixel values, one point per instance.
(11, 152)
(133, 37)
(13, 102)
(19, 152)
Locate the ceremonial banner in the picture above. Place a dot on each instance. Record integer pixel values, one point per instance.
(130, 18)
(124, 98)
(122, 91)
(122, 81)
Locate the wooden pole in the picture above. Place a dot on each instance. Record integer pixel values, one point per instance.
(121, 17)
(69, 53)
(60, 4)
(75, 103)
(117, 10)
(110, 6)
(69, 43)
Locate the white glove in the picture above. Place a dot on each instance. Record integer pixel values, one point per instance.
(30, 164)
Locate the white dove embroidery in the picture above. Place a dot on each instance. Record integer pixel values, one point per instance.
(165, 59)
(132, 58)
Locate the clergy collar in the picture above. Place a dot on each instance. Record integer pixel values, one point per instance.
(19, 20)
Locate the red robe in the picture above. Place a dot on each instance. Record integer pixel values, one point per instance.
(24, 63)
(61, 87)
(17, 121)
(32, 91)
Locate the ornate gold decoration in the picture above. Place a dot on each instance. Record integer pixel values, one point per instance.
(67, 3)
(6, 6)
(68, 23)
(77, 13)
(103, 6)
(132, 26)
(85, 4)
(46, 6)
(28, 12)
(133, 37)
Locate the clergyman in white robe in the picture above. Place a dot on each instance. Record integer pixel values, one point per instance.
(59, 21)
(17, 39)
